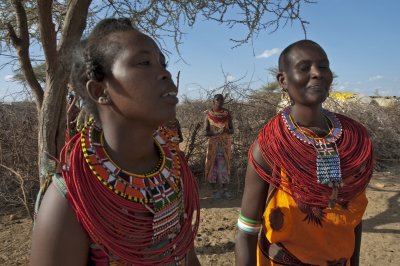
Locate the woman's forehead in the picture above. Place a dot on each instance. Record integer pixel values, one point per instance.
(306, 52)
(135, 42)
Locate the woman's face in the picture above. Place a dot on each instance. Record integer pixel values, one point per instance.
(139, 86)
(218, 101)
(307, 77)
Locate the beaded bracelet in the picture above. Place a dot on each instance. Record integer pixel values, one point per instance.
(249, 229)
(248, 220)
(248, 226)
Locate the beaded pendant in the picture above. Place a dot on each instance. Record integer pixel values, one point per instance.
(328, 165)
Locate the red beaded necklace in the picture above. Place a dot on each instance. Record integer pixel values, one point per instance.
(126, 214)
(218, 117)
(282, 150)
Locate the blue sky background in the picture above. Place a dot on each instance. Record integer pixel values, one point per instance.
(361, 38)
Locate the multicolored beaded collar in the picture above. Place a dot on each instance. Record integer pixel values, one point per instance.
(161, 187)
(334, 134)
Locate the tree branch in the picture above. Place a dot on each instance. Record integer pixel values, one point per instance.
(22, 187)
(48, 35)
(21, 45)
(74, 24)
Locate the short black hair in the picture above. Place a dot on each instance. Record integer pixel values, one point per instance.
(283, 57)
(219, 95)
(94, 57)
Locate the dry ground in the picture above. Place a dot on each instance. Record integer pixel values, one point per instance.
(215, 239)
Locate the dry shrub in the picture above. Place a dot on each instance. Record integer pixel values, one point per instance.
(252, 111)
(18, 137)
(18, 155)
(249, 114)
(381, 123)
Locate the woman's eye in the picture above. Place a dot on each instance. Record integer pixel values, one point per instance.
(144, 63)
(304, 67)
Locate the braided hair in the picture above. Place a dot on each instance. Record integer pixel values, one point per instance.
(94, 57)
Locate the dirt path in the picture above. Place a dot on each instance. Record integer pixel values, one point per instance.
(381, 226)
(216, 236)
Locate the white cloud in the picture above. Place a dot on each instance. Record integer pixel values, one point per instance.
(9, 78)
(230, 78)
(341, 88)
(377, 77)
(268, 53)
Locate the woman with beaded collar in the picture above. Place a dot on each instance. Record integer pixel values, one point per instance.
(307, 174)
(218, 127)
(127, 197)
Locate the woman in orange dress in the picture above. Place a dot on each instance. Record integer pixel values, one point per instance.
(308, 169)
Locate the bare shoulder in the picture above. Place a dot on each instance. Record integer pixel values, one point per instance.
(58, 238)
(258, 157)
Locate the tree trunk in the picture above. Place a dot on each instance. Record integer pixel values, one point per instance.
(52, 123)
(52, 116)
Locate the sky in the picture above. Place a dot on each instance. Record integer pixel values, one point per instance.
(360, 37)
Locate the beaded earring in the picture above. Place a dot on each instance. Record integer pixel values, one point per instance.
(104, 100)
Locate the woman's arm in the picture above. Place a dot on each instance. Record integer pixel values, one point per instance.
(58, 238)
(192, 257)
(253, 204)
(229, 130)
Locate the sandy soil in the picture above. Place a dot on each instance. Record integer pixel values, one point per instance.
(216, 236)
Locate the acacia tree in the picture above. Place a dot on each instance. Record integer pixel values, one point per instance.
(54, 27)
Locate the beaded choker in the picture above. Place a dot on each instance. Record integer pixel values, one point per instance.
(160, 187)
(334, 134)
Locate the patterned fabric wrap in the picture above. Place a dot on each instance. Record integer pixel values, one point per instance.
(300, 232)
(221, 143)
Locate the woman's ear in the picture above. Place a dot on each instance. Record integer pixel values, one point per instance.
(97, 92)
(281, 78)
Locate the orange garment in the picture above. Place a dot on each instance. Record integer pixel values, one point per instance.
(224, 140)
(312, 235)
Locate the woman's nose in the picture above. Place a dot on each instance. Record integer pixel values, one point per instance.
(165, 74)
(315, 72)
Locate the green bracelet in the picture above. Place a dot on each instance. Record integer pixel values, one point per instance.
(247, 220)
